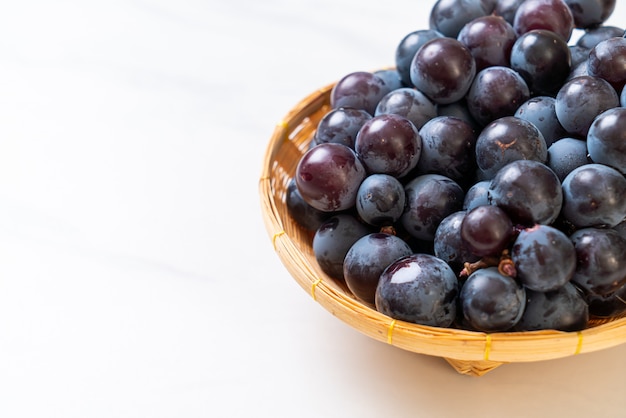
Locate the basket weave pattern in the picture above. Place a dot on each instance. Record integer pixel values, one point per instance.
(470, 353)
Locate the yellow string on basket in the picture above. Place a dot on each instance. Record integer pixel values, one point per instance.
(487, 346)
(276, 235)
(390, 331)
(283, 124)
(313, 286)
(579, 345)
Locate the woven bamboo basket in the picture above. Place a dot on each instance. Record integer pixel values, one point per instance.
(468, 352)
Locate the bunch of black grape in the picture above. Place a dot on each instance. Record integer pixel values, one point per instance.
(479, 183)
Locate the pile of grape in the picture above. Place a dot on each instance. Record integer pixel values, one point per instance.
(480, 183)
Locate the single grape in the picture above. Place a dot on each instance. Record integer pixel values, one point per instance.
(580, 100)
(507, 9)
(443, 69)
(528, 191)
(388, 144)
(601, 255)
(592, 36)
(496, 92)
(509, 139)
(607, 60)
(419, 288)
(544, 257)
(328, 177)
(408, 102)
(489, 39)
(367, 259)
(391, 77)
(447, 148)
(332, 241)
(552, 15)
(567, 154)
(594, 195)
(579, 54)
(448, 244)
(543, 59)
(491, 301)
(340, 126)
(541, 112)
(606, 139)
(359, 90)
(486, 230)
(380, 200)
(562, 309)
(429, 199)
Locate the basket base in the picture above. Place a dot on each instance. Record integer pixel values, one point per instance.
(473, 368)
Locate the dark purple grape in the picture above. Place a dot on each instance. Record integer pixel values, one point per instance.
(367, 259)
(408, 102)
(449, 16)
(333, 240)
(552, 15)
(443, 69)
(610, 305)
(389, 144)
(486, 230)
(459, 110)
(528, 191)
(359, 90)
(491, 301)
(563, 309)
(590, 13)
(540, 111)
(496, 92)
(328, 177)
(340, 126)
(606, 140)
(607, 60)
(447, 148)
(429, 199)
(477, 195)
(591, 37)
(489, 39)
(567, 154)
(380, 200)
(421, 289)
(448, 244)
(544, 257)
(391, 77)
(407, 48)
(509, 139)
(543, 59)
(594, 195)
(304, 214)
(580, 100)
(601, 254)
(579, 70)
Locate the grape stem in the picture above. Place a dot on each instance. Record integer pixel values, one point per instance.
(505, 265)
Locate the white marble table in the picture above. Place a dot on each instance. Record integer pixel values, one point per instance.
(136, 276)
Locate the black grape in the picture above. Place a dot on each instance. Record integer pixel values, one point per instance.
(367, 258)
(407, 48)
(540, 111)
(477, 195)
(429, 199)
(607, 60)
(593, 36)
(388, 144)
(590, 13)
(391, 77)
(420, 288)
(594, 195)
(489, 39)
(408, 102)
(491, 301)
(449, 16)
(606, 139)
(380, 200)
(552, 15)
(328, 177)
(486, 230)
(544, 257)
(340, 126)
(601, 254)
(567, 154)
(360, 90)
(562, 309)
(304, 214)
(528, 191)
(507, 9)
(448, 244)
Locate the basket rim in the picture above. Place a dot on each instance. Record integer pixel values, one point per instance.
(450, 343)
